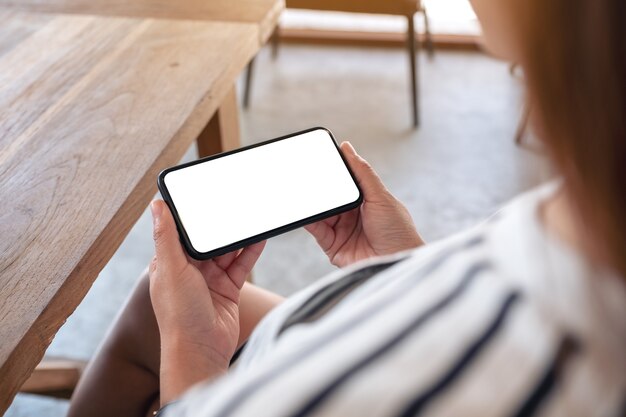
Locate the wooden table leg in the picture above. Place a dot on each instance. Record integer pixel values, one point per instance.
(222, 132)
(248, 84)
(520, 133)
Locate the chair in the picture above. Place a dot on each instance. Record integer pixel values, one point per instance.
(54, 377)
(407, 8)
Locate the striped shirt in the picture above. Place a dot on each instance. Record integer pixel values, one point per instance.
(502, 320)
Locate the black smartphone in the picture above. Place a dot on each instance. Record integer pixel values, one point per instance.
(234, 199)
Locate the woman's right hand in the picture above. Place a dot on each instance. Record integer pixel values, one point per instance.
(380, 226)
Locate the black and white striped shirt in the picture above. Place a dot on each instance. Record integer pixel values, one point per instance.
(501, 320)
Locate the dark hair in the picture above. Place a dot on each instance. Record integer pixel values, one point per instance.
(574, 59)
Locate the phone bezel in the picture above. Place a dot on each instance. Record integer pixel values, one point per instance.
(262, 236)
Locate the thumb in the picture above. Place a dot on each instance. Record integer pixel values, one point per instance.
(369, 181)
(169, 252)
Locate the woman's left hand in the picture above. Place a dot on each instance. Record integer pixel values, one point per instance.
(196, 304)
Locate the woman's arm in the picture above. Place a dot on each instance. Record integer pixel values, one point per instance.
(122, 378)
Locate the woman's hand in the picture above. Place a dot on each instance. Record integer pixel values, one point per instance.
(380, 226)
(196, 306)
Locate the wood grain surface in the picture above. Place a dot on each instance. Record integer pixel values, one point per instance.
(263, 13)
(91, 109)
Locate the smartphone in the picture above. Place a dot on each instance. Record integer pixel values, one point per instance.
(234, 199)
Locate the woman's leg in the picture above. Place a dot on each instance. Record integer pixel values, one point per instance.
(122, 379)
(254, 303)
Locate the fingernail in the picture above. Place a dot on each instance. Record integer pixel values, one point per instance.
(156, 209)
(351, 147)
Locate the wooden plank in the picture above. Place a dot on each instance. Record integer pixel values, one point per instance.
(78, 171)
(54, 377)
(264, 13)
(391, 7)
(375, 39)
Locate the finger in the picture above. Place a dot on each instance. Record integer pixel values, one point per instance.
(349, 221)
(208, 265)
(243, 264)
(368, 179)
(323, 233)
(200, 265)
(169, 252)
(221, 262)
(329, 222)
(332, 221)
(224, 261)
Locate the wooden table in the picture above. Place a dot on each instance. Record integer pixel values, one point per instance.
(91, 109)
(263, 13)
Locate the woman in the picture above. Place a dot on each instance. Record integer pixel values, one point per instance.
(523, 315)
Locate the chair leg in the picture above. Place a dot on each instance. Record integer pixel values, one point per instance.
(430, 45)
(275, 40)
(248, 83)
(520, 133)
(412, 46)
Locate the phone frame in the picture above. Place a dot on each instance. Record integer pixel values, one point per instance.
(262, 236)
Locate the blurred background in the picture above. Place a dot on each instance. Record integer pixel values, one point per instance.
(446, 17)
(350, 73)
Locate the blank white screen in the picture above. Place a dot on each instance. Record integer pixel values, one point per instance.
(226, 200)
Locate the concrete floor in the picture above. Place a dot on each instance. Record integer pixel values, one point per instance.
(457, 169)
